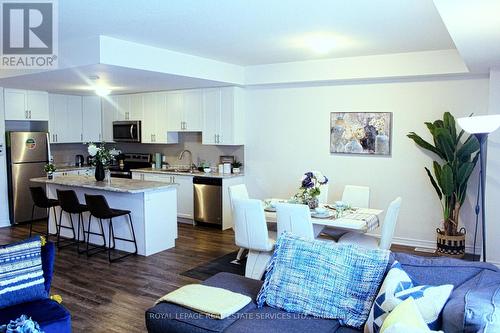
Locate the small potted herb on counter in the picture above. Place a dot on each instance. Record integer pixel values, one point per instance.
(203, 165)
(236, 166)
(49, 169)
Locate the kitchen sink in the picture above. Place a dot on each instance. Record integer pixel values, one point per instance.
(182, 170)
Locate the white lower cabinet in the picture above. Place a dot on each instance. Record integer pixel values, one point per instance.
(78, 172)
(184, 190)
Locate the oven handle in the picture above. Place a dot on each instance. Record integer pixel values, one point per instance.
(132, 131)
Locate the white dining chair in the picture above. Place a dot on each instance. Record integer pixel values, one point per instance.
(355, 196)
(387, 233)
(295, 219)
(250, 232)
(323, 194)
(237, 192)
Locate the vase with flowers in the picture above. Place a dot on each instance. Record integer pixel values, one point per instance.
(102, 158)
(310, 188)
(381, 140)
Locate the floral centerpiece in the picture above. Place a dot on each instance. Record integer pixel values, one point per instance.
(102, 158)
(310, 188)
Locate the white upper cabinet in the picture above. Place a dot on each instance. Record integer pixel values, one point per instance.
(121, 106)
(65, 118)
(193, 110)
(107, 118)
(224, 116)
(38, 105)
(155, 120)
(136, 107)
(26, 105)
(185, 110)
(91, 119)
(212, 115)
(74, 129)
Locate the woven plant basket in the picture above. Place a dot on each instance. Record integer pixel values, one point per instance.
(451, 246)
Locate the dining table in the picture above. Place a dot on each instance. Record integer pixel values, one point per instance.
(355, 219)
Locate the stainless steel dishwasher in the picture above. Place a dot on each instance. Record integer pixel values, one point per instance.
(208, 200)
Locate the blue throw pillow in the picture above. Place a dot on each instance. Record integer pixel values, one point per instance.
(21, 273)
(323, 279)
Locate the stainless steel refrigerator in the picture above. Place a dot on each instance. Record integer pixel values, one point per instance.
(27, 154)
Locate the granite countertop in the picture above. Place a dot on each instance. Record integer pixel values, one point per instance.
(195, 173)
(62, 168)
(117, 184)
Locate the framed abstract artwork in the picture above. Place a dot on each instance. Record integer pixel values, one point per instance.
(361, 133)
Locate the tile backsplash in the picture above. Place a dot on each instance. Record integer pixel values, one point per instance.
(65, 153)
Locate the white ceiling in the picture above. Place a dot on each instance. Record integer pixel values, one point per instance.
(475, 29)
(250, 32)
(118, 79)
(240, 32)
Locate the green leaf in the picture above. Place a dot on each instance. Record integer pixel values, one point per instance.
(464, 172)
(462, 132)
(449, 123)
(470, 146)
(437, 170)
(447, 180)
(444, 143)
(424, 144)
(433, 182)
(439, 123)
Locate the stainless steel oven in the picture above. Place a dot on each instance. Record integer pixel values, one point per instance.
(127, 131)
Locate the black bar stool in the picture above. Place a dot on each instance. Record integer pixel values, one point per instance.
(41, 200)
(69, 204)
(99, 208)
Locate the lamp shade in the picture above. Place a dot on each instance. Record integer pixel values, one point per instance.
(479, 124)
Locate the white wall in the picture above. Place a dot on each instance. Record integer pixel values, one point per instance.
(493, 176)
(288, 134)
(4, 203)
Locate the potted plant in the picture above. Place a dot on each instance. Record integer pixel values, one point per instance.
(310, 188)
(102, 158)
(49, 169)
(456, 158)
(236, 165)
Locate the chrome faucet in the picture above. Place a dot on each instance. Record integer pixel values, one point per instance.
(181, 155)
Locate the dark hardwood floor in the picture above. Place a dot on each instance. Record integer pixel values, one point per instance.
(105, 297)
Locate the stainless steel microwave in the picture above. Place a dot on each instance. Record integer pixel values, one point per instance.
(127, 131)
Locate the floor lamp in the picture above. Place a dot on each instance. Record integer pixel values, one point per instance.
(481, 127)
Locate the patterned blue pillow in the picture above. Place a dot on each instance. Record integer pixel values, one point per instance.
(323, 279)
(21, 273)
(397, 287)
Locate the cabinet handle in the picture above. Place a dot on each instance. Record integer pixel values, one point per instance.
(30, 114)
(81, 137)
(26, 114)
(56, 138)
(99, 136)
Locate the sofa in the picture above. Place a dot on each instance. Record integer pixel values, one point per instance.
(50, 315)
(466, 277)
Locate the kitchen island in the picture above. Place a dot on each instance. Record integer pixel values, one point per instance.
(153, 206)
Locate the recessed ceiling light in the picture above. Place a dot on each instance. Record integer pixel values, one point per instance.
(102, 91)
(322, 42)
